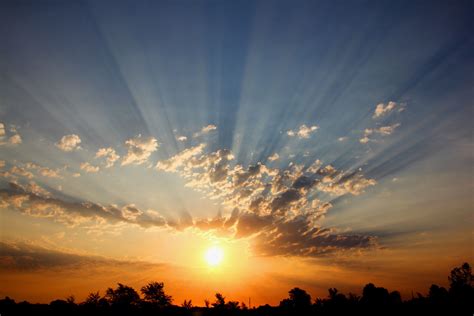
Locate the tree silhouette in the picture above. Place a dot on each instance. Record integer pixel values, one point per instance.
(187, 304)
(460, 281)
(92, 299)
(123, 295)
(220, 301)
(124, 300)
(154, 293)
(298, 299)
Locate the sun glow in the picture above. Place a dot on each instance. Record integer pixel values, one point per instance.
(214, 256)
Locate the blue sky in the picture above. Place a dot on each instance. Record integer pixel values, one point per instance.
(300, 79)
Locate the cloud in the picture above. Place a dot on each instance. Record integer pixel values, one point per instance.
(12, 140)
(382, 110)
(50, 173)
(16, 171)
(383, 131)
(35, 201)
(342, 139)
(182, 138)
(303, 131)
(205, 130)
(109, 154)
(87, 167)
(274, 157)
(69, 143)
(139, 150)
(15, 140)
(387, 130)
(30, 257)
(272, 202)
(177, 161)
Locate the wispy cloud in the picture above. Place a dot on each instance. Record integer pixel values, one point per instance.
(31, 200)
(274, 157)
(383, 131)
(87, 167)
(69, 143)
(12, 140)
(109, 154)
(139, 150)
(205, 130)
(303, 131)
(382, 109)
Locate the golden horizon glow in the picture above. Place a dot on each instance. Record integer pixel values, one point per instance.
(214, 256)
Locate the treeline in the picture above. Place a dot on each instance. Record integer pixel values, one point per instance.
(458, 299)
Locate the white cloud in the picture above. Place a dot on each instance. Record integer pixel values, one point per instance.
(69, 143)
(87, 167)
(15, 139)
(383, 131)
(381, 109)
(50, 173)
(178, 160)
(205, 130)
(274, 157)
(139, 150)
(109, 154)
(182, 138)
(342, 139)
(12, 140)
(387, 130)
(303, 131)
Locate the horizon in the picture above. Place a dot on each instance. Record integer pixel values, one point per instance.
(241, 147)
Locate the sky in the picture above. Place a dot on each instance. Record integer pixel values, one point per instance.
(315, 143)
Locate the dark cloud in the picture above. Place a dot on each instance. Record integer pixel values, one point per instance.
(34, 203)
(279, 208)
(30, 258)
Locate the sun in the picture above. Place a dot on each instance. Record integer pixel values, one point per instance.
(214, 256)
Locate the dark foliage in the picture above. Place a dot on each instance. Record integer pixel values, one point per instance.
(124, 300)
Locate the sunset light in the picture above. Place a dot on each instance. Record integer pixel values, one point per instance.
(214, 256)
(202, 157)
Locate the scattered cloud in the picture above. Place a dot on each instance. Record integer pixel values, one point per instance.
(87, 167)
(383, 131)
(177, 161)
(382, 109)
(205, 130)
(274, 208)
(182, 138)
(30, 257)
(342, 139)
(303, 131)
(15, 139)
(12, 140)
(139, 150)
(109, 154)
(274, 157)
(50, 173)
(35, 201)
(69, 143)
